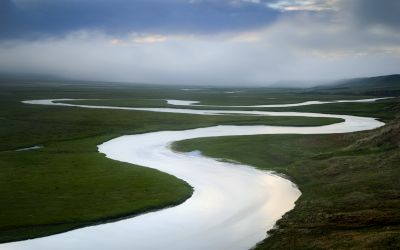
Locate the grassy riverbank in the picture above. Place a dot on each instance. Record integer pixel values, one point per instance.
(349, 183)
(67, 184)
(368, 109)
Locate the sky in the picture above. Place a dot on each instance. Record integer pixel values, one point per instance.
(201, 42)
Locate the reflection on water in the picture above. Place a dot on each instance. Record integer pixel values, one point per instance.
(195, 153)
(180, 102)
(22, 149)
(232, 207)
(275, 105)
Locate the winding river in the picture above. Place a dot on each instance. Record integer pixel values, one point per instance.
(232, 207)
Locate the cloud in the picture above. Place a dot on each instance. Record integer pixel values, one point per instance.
(175, 60)
(351, 39)
(352, 30)
(370, 13)
(295, 5)
(43, 18)
(90, 56)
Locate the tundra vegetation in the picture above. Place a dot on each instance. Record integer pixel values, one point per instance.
(347, 191)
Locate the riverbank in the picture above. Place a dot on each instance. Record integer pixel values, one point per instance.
(366, 109)
(349, 183)
(240, 197)
(150, 150)
(67, 184)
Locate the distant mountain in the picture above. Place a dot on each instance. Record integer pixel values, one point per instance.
(388, 81)
(298, 84)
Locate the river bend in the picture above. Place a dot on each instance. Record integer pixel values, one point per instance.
(232, 206)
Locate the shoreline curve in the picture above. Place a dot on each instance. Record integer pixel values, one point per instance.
(260, 203)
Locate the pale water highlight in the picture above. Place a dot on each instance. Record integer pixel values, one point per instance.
(232, 207)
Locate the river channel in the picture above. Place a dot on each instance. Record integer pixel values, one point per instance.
(232, 206)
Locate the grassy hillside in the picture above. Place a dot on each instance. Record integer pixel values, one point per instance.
(375, 86)
(378, 82)
(389, 81)
(349, 183)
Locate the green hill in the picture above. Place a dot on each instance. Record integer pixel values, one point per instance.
(389, 81)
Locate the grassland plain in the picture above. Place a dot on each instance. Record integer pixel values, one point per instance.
(369, 109)
(67, 184)
(349, 183)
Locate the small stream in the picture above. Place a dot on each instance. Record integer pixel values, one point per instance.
(23, 149)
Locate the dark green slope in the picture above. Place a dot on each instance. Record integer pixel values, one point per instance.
(349, 183)
(389, 81)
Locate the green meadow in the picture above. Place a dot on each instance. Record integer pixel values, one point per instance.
(350, 195)
(67, 184)
(349, 183)
(368, 109)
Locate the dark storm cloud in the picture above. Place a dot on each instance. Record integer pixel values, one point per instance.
(375, 13)
(350, 28)
(7, 7)
(249, 43)
(35, 18)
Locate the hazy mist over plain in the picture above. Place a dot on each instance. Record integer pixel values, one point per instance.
(221, 42)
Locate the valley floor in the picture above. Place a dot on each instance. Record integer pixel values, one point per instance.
(349, 182)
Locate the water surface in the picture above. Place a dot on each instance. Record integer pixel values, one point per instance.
(232, 207)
